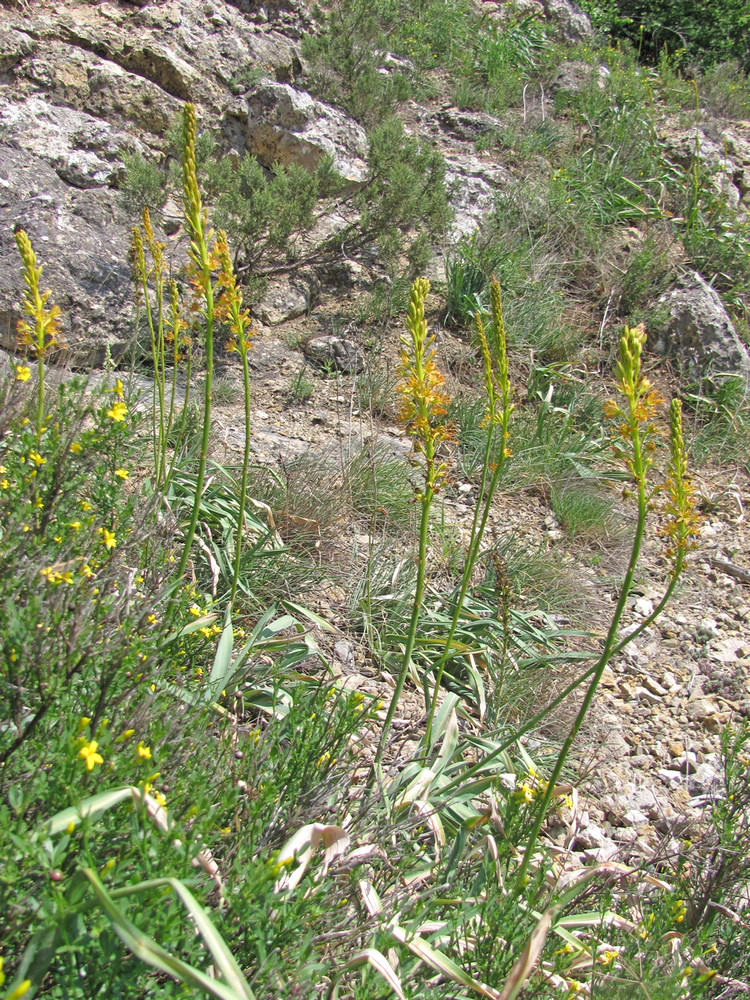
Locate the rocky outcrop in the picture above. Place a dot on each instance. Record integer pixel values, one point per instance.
(569, 18)
(473, 185)
(81, 239)
(575, 75)
(84, 151)
(287, 298)
(282, 125)
(699, 331)
(122, 60)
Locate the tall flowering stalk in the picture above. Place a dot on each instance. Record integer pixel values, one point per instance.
(143, 273)
(229, 308)
(423, 405)
(41, 336)
(498, 392)
(177, 339)
(634, 448)
(202, 265)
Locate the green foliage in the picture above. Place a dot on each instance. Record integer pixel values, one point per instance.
(720, 420)
(711, 33)
(301, 387)
(265, 213)
(143, 185)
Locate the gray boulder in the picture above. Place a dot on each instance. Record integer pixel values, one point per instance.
(472, 185)
(699, 332)
(287, 298)
(81, 239)
(282, 125)
(570, 19)
(330, 351)
(575, 75)
(84, 151)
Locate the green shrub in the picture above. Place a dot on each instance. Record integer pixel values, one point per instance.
(710, 33)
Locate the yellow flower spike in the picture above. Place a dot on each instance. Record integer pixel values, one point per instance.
(500, 343)
(138, 256)
(682, 524)
(44, 335)
(423, 400)
(177, 324)
(89, 754)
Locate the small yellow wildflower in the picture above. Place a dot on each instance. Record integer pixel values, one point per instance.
(118, 389)
(152, 619)
(23, 373)
(4, 484)
(195, 610)
(108, 538)
(607, 957)
(58, 539)
(122, 473)
(117, 412)
(76, 448)
(87, 571)
(144, 752)
(82, 723)
(36, 458)
(89, 754)
(75, 525)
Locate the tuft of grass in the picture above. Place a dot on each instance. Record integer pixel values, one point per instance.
(301, 388)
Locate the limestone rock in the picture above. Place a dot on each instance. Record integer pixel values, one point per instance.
(82, 241)
(574, 25)
(467, 126)
(282, 125)
(14, 46)
(287, 298)
(472, 185)
(84, 151)
(575, 75)
(700, 332)
(335, 352)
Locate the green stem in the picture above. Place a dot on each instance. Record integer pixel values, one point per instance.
(527, 727)
(40, 397)
(245, 463)
(598, 669)
(183, 417)
(412, 636)
(155, 393)
(471, 558)
(201, 475)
